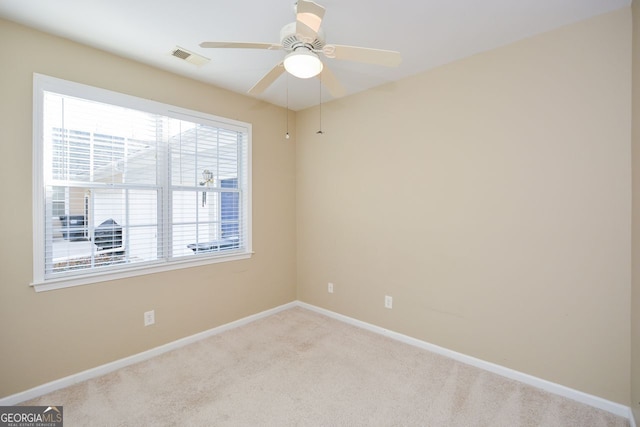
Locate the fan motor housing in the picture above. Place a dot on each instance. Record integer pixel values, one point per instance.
(291, 40)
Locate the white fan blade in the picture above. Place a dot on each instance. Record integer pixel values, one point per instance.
(267, 80)
(388, 58)
(309, 18)
(330, 81)
(241, 45)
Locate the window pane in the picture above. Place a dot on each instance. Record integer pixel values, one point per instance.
(58, 200)
(182, 140)
(184, 240)
(186, 244)
(196, 219)
(230, 210)
(202, 155)
(186, 206)
(206, 218)
(228, 153)
(71, 154)
(96, 142)
(143, 244)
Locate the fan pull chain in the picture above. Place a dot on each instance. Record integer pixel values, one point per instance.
(287, 82)
(320, 105)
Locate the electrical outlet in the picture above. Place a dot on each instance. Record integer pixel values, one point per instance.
(149, 317)
(330, 287)
(388, 301)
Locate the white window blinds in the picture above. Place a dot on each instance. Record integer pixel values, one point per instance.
(126, 188)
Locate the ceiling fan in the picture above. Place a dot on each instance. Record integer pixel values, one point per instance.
(304, 42)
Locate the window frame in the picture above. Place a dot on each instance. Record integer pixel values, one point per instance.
(43, 83)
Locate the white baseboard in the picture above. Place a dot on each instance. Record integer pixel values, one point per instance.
(588, 399)
(597, 402)
(136, 358)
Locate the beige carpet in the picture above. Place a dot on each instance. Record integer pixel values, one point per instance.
(299, 368)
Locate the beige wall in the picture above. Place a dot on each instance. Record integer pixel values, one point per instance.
(491, 199)
(49, 335)
(635, 293)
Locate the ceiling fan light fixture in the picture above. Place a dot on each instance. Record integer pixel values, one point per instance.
(303, 64)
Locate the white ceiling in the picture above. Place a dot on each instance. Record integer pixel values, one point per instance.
(427, 33)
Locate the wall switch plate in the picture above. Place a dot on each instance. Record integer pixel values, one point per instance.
(149, 317)
(330, 287)
(388, 301)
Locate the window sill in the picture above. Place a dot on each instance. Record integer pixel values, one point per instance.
(67, 282)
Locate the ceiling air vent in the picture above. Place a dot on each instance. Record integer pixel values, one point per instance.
(191, 57)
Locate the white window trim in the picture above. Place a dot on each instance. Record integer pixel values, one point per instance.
(42, 83)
